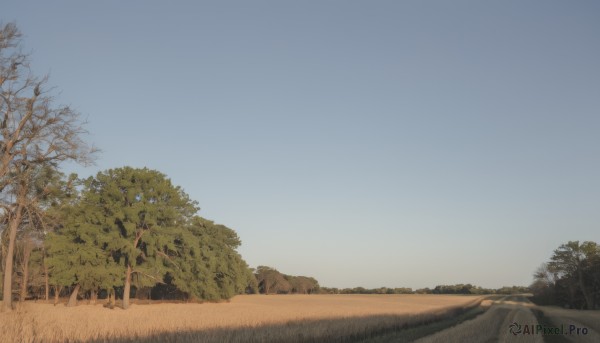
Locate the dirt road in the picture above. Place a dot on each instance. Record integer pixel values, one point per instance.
(515, 319)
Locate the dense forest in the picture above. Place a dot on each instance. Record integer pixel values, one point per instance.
(571, 278)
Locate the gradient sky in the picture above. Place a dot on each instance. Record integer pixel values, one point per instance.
(365, 143)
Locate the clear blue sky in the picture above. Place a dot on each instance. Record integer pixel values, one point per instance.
(365, 143)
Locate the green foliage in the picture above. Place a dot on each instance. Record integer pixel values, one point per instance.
(76, 254)
(139, 213)
(571, 278)
(75, 248)
(209, 267)
(135, 218)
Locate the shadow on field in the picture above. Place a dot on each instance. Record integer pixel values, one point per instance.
(349, 329)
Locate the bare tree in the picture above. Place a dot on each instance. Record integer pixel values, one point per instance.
(36, 136)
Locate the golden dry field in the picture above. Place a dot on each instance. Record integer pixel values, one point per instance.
(246, 318)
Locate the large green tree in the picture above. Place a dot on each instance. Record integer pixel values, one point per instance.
(141, 213)
(132, 228)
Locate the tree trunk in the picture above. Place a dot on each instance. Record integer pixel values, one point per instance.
(46, 284)
(8, 266)
(111, 298)
(26, 256)
(93, 297)
(127, 288)
(56, 294)
(589, 299)
(73, 297)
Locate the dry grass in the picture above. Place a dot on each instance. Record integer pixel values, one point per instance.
(255, 318)
(493, 325)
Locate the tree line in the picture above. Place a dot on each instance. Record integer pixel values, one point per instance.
(440, 289)
(271, 281)
(126, 232)
(571, 278)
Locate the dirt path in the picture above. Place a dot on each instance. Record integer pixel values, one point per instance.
(515, 319)
(494, 325)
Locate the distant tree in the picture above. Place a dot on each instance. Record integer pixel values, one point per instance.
(356, 290)
(270, 280)
(507, 290)
(455, 289)
(382, 290)
(303, 284)
(329, 290)
(403, 290)
(36, 135)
